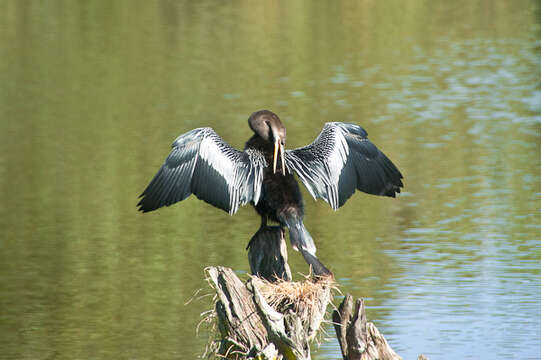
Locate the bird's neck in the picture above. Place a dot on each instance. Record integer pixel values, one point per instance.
(266, 147)
(258, 143)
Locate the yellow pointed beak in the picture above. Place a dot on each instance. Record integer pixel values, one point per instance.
(283, 159)
(278, 147)
(274, 157)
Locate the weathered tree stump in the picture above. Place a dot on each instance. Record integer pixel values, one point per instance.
(267, 320)
(358, 339)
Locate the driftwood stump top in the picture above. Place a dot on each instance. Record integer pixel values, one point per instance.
(260, 318)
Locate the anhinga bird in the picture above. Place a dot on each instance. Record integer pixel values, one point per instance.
(340, 160)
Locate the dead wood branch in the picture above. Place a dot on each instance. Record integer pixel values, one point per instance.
(358, 339)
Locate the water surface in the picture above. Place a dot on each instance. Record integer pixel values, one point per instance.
(93, 93)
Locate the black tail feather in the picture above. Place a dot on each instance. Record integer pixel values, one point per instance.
(300, 238)
(318, 268)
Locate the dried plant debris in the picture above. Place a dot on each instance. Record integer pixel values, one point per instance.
(304, 298)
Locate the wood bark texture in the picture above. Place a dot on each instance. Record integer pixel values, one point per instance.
(359, 339)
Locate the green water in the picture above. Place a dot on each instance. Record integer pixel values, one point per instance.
(92, 94)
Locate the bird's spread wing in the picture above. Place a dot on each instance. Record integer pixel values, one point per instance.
(203, 164)
(341, 160)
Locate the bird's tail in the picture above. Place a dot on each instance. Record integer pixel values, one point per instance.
(300, 237)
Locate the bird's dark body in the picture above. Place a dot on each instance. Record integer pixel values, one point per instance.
(281, 197)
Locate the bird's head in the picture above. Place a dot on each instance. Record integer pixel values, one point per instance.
(268, 126)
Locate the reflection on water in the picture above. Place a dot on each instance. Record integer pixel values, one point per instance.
(91, 94)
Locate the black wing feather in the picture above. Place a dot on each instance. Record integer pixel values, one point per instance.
(341, 160)
(201, 163)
